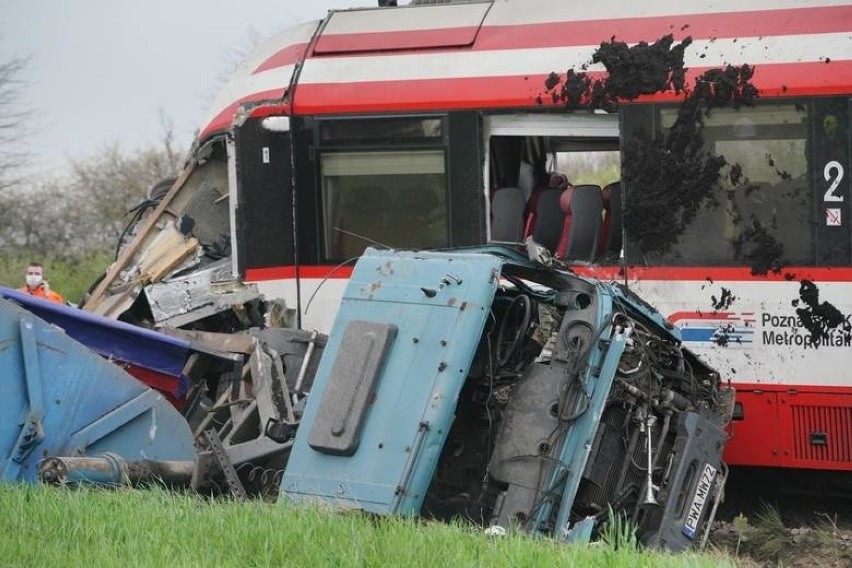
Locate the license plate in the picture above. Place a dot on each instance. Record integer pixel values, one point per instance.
(705, 482)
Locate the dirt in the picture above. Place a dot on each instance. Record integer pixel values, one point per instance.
(761, 249)
(799, 546)
(643, 69)
(726, 298)
(670, 174)
(724, 335)
(821, 319)
(790, 518)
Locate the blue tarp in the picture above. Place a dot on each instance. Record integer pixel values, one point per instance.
(110, 338)
(60, 398)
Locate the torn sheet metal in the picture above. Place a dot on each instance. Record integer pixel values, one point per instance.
(300, 353)
(185, 299)
(440, 304)
(211, 340)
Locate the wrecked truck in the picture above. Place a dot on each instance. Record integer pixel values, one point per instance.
(474, 383)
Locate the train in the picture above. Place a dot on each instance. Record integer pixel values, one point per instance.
(436, 125)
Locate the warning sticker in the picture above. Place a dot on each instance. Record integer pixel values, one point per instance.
(832, 218)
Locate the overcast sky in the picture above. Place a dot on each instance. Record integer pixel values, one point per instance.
(103, 70)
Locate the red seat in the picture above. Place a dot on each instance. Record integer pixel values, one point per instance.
(565, 206)
(556, 181)
(582, 206)
(606, 193)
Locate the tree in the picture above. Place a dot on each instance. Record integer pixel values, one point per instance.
(112, 182)
(12, 120)
(86, 210)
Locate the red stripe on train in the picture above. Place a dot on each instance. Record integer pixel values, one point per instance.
(223, 120)
(718, 273)
(401, 40)
(754, 23)
(773, 80)
(288, 55)
(316, 272)
(663, 273)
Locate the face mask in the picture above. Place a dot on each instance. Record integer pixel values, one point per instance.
(34, 280)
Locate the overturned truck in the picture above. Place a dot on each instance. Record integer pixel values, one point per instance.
(473, 383)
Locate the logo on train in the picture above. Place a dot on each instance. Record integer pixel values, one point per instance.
(726, 329)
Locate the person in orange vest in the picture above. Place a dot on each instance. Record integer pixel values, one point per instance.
(37, 286)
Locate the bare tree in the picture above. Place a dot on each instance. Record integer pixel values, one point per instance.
(12, 120)
(112, 182)
(87, 209)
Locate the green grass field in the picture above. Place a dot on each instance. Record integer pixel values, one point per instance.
(46, 526)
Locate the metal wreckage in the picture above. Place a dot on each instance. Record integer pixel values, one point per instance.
(478, 383)
(481, 383)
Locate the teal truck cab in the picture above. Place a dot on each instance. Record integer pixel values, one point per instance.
(479, 384)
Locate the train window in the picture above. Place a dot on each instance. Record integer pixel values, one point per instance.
(759, 212)
(599, 168)
(383, 131)
(396, 199)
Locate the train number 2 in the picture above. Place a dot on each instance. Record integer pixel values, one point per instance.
(833, 169)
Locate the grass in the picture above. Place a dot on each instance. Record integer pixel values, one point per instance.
(46, 526)
(772, 540)
(767, 541)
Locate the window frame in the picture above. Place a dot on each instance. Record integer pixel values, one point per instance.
(648, 117)
(326, 147)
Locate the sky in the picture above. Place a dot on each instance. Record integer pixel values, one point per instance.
(105, 71)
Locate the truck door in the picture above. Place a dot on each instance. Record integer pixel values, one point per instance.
(387, 387)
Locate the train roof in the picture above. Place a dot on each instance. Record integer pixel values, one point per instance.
(497, 54)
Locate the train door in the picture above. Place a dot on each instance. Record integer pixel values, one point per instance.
(262, 204)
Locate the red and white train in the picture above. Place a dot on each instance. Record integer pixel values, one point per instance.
(429, 126)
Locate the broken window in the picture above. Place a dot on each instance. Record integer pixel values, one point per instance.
(534, 159)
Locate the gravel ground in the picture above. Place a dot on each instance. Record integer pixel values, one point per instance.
(770, 518)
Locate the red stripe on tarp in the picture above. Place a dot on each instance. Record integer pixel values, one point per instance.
(288, 55)
(395, 40)
(772, 79)
(662, 273)
(173, 388)
(753, 23)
